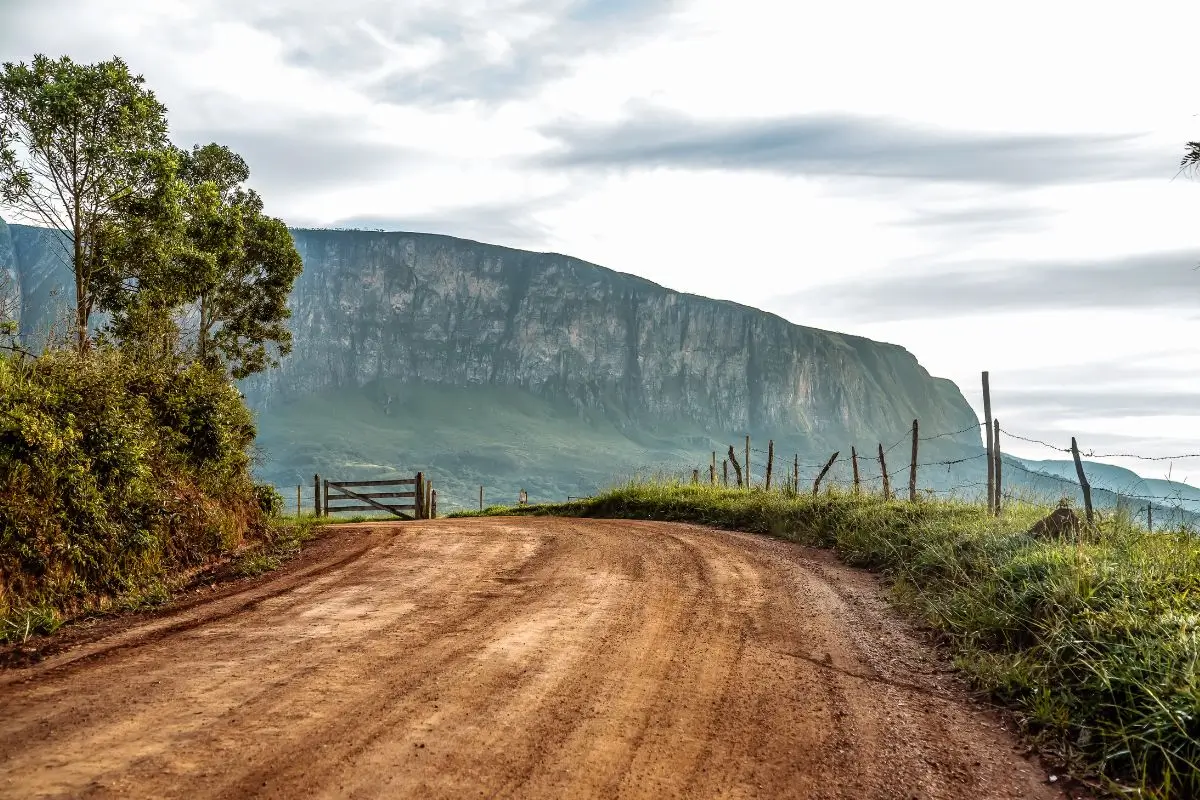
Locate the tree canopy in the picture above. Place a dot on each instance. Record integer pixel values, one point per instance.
(171, 242)
(78, 144)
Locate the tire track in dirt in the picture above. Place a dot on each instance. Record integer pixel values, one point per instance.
(505, 657)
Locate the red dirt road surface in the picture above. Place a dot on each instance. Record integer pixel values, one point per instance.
(523, 658)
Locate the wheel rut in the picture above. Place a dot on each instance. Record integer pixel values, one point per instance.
(515, 657)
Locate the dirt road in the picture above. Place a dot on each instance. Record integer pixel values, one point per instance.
(532, 658)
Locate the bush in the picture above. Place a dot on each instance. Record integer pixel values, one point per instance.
(270, 501)
(114, 474)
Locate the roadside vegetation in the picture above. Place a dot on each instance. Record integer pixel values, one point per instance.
(1095, 644)
(125, 447)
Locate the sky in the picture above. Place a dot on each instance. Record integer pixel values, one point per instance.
(994, 188)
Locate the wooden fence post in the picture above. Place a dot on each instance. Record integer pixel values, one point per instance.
(746, 466)
(999, 482)
(419, 496)
(824, 469)
(317, 495)
(725, 471)
(432, 504)
(1150, 517)
(887, 489)
(991, 453)
(737, 468)
(695, 476)
(1083, 481)
(912, 470)
(770, 462)
(854, 463)
(712, 469)
(796, 473)
(297, 500)
(325, 495)
(481, 498)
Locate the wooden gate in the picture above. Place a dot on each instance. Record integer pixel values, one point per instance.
(406, 498)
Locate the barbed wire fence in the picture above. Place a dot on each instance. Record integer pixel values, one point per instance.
(1042, 484)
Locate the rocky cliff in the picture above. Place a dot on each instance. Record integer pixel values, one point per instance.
(380, 316)
(427, 308)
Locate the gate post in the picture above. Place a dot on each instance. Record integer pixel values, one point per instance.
(317, 495)
(420, 496)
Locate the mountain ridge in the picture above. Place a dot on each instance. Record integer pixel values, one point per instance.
(381, 319)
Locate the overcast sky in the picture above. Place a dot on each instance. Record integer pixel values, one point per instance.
(992, 187)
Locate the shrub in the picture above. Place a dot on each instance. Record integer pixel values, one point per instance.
(270, 501)
(114, 474)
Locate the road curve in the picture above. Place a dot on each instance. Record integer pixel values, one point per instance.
(506, 657)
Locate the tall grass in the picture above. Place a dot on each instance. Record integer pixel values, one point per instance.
(1094, 644)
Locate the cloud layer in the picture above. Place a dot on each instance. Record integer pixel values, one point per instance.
(848, 145)
(455, 50)
(1151, 281)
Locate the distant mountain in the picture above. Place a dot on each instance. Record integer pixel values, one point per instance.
(1123, 483)
(485, 365)
(513, 369)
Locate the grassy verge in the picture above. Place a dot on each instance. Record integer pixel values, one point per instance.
(285, 538)
(1094, 645)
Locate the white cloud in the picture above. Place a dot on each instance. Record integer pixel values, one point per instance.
(430, 112)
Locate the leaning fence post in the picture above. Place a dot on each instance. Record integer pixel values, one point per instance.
(725, 471)
(737, 468)
(824, 469)
(317, 495)
(1083, 481)
(887, 489)
(912, 470)
(854, 463)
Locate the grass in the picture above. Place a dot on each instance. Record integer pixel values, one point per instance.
(286, 538)
(1095, 645)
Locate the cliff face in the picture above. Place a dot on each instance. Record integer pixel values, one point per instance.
(10, 277)
(426, 308)
(502, 366)
(41, 286)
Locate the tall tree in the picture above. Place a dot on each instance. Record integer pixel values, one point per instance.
(242, 264)
(77, 142)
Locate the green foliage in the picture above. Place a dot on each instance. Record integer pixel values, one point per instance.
(1095, 644)
(116, 473)
(1191, 156)
(80, 145)
(270, 501)
(242, 264)
(154, 233)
